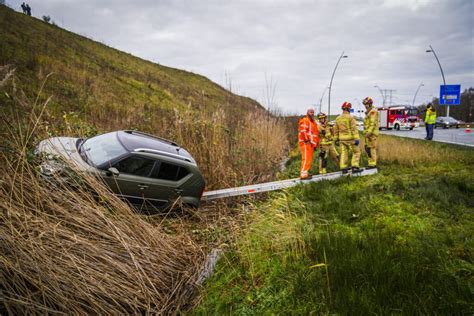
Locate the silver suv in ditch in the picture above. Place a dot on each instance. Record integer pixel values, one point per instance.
(144, 169)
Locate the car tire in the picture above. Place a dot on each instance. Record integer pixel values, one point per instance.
(397, 127)
(457, 126)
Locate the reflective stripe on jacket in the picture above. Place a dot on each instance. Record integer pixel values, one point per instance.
(325, 134)
(308, 131)
(345, 128)
(371, 122)
(430, 117)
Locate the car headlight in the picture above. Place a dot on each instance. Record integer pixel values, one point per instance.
(50, 168)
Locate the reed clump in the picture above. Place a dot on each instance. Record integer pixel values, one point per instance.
(74, 247)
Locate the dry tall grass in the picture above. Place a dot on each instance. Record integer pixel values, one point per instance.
(78, 250)
(81, 250)
(408, 152)
(231, 145)
(232, 151)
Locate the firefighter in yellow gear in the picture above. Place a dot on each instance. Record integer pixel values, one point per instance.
(326, 143)
(347, 135)
(371, 131)
(308, 140)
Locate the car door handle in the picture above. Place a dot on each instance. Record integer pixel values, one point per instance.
(142, 186)
(178, 190)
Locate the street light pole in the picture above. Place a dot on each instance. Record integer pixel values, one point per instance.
(421, 85)
(330, 84)
(383, 97)
(431, 50)
(321, 100)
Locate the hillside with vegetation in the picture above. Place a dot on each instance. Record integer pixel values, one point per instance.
(95, 88)
(398, 242)
(79, 249)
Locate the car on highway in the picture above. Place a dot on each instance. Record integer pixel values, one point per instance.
(447, 122)
(146, 170)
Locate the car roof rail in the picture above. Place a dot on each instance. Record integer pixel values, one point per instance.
(152, 136)
(164, 153)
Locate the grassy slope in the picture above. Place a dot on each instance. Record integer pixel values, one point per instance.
(397, 242)
(95, 88)
(94, 79)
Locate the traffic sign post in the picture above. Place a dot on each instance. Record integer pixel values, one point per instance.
(449, 95)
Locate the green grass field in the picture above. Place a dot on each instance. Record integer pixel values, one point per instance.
(399, 242)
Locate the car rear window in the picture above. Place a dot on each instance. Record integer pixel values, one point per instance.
(137, 166)
(168, 171)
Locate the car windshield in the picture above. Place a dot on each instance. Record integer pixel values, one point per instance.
(103, 148)
(449, 119)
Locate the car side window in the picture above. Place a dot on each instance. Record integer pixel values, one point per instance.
(183, 172)
(168, 171)
(138, 166)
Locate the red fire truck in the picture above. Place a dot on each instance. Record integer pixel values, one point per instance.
(398, 117)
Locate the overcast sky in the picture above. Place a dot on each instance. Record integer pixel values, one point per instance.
(289, 46)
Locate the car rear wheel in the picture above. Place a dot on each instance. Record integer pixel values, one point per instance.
(397, 127)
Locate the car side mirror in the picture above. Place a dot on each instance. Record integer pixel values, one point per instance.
(112, 172)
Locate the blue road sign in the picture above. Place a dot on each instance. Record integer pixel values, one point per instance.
(450, 94)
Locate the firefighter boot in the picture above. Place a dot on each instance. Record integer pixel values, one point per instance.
(323, 159)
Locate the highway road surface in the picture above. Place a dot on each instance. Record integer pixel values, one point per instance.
(451, 136)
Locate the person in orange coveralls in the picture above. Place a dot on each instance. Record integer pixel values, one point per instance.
(308, 139)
